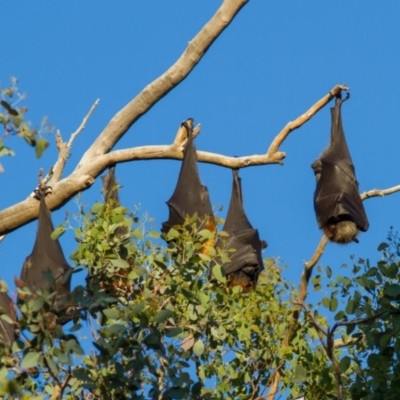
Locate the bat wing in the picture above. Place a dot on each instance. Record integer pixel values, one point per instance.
(110, 187)
(336, 196)
(47, 255)
(242, 237)
(247, 255)
(190, 196)
(7, 334)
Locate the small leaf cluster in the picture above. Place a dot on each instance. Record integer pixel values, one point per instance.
(12, 118)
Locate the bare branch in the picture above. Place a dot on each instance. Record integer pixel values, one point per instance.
(83, 123)
(65, 148)
(299, 121)
(379, 192)
(156, 90)
(95, 160)
(338, 343)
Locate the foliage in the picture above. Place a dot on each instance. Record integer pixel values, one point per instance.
(12, 118)
(162, 327)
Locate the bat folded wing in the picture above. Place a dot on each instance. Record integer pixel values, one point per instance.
(247, 255)
(337, 197)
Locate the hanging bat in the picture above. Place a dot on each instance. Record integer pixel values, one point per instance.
(7, 334)
(190, 196)
(117, 282)
(110, 187)
(246, 262)
(337, 203)
(46, 257)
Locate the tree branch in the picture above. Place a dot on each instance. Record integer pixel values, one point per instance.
(379, 192)
(156, 90)
(299, 121)
(95, 160)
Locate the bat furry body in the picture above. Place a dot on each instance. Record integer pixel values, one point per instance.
(190, 196)
(246, 262)
(337, 203)
(46, 256)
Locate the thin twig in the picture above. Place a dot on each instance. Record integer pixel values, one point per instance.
(83, 123)
(65, 148)
(379, 192)
(302, 119)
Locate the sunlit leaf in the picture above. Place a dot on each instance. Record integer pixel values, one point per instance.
(59, 231)
(198, 348)
(119, 263)
(41, 145)
(31, 360)
(218, 273)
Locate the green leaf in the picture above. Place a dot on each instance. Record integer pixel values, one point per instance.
(326, 302)
(344, 364)
(172, 234)
(5, 151)
(97, 208)
(196, 388)
(300, 374)
(52, 365)
(6, 318)
(334, 304)
(392, 290)
(31, 360)
(137, 308)
(162, 316)
(136, 273)
(198, 348)
(328, 272)
(57, 232)
(119, 263)
(383, 246)
(111, 313)
(218, 273)
(41, 145)
(172, 332)
(340, 315)
(6, 105)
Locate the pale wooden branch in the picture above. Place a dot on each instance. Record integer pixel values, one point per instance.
(379, 192)
(156, 90)
(64, 148)
(299, 121)
(96, 159)
(338, 343)
(83, 123)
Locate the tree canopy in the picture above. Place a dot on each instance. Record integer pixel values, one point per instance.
(147, 320)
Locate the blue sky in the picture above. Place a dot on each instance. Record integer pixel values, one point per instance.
(272, 63)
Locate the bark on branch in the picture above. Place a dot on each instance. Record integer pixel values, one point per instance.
(94, 162)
